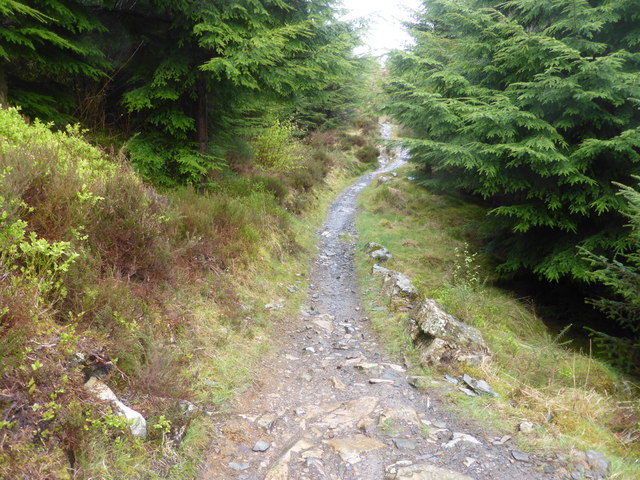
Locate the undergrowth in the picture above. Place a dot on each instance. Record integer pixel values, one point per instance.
(166, 289)
(573, 399)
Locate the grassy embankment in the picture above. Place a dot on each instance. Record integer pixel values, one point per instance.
(169, 286)
(573, 399)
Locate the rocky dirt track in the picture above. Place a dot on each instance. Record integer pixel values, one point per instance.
(332, 405)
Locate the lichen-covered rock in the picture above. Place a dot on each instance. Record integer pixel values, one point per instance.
(589, 464)
(397, 285)
(380, 271)
(371, 246)
(443, 339)
(598, 463)
(381, 254)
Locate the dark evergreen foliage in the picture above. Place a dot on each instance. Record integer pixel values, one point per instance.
(176, 75)
(45, 47)
(533, 106)
(622, 276)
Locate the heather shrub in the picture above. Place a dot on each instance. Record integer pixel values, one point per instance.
(368, 154)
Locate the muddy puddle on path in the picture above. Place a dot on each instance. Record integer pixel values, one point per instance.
(331, 405)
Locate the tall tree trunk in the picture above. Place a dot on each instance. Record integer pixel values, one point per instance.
(4, 87)
(202, 117)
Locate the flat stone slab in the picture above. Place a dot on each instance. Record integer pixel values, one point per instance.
(405, 443)
(520, 456)
(350, 448)
(325, 322)
(350, 412)
(425, 472)
(280, 471)
(376, 381)
(402, 414)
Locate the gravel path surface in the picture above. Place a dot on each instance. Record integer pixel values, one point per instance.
(332, 405)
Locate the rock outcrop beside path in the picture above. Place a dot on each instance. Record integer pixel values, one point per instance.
(442, 339)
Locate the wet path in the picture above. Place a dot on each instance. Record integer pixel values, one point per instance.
(333, 406)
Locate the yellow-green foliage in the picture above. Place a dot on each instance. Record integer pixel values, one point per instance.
(69, 146)
(276, 147)
(574, 399)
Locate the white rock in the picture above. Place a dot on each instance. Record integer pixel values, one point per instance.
(261, 446)
(380, 271)
(461, 437)
(442, 338)
(397, 285)
(138, 424)
(526, 427)
(382, 255)
(273, 306)
(100, 390)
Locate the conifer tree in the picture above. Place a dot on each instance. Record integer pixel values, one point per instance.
(173, 74)
(209, 64)
(533, 107)
(44, 47)
(622, 277)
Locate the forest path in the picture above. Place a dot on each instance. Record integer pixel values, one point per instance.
(332, 405)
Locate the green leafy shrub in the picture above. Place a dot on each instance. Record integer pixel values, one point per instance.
(169, 163)
(70, 147)
(276, 147)
(75, 231)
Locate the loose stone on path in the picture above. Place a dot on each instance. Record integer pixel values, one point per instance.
(261, 446)
(425, 472)
(351, 448)
(520, 456)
